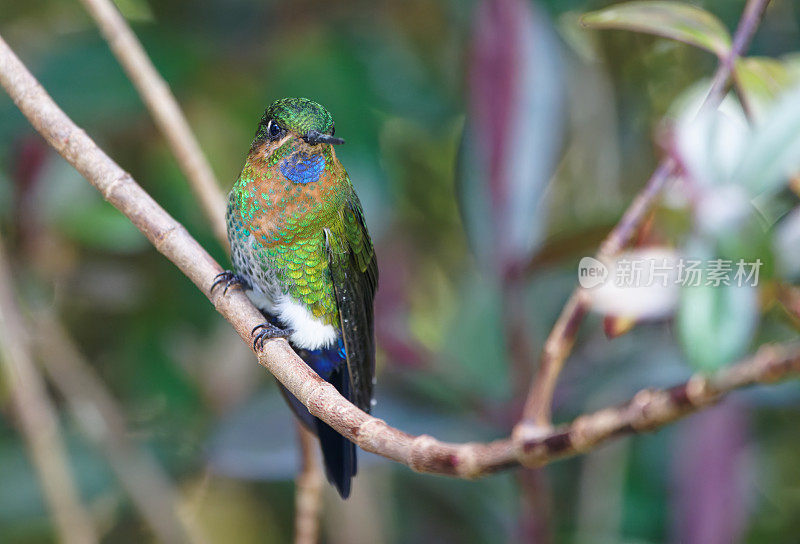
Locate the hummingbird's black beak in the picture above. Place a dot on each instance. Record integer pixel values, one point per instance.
(314, 137)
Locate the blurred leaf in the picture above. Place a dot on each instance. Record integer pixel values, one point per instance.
(709, 142)
(22, 505)
(716, 324)
(229, 511)
(749, 241)
(76, 210)
(87, 82)
(675, 20)
(135, 10)
(787, 245)
(773, 154)
(732, 165)
(103, 227)
(512, 138)
(710, 488)
(762, 80)
(647, 485)
(791, 61)
(475, 336)
(419, 163)
(722, 210)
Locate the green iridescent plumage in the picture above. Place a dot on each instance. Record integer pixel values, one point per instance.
(306, 240)
(301, 249)
(295, 114)
(294, 248)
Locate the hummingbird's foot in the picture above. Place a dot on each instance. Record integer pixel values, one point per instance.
(268, 331)
(229, 278)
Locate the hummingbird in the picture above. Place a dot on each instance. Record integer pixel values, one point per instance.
(302, 253)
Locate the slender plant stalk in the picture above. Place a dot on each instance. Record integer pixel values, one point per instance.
(537, 414)
(38, 421)
(165, 111)
(789, 299)
(308, 498)
(172, 123)
(535, 494)
(102, 421)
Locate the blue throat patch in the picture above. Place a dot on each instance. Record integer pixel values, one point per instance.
(302, 168)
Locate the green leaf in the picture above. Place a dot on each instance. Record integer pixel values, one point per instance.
(716, 324)
(102, 227)
(135, 10)
(791, 61)
(762, 76)
(762, 80)
(673, 20)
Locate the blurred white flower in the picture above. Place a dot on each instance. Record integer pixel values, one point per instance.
(640, 284)
(709, 142)
(720, 210)
(719, 147)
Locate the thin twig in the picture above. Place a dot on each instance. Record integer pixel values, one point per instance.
(38, 420)
(308, 496)
(165, 111)
(748, 24)
(651, 409)
(535, 495)
(101, 420)
(537, 413)
(789, 299)
(167, 114)
(647, 411)
(794, 185)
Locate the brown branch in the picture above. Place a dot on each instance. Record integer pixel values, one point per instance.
(648, 410)
(651, 409)
(748, 24)
(753, 12)
(38, 420)
(165, 111)
(308, 496)
(537, 412)
(794, 185)
(535, 495)
(101, 420)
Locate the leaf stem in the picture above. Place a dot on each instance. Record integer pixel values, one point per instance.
(537, 413)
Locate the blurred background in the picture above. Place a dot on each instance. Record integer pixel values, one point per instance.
(444, 105)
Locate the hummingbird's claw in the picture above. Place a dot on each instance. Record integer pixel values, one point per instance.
(268, 331)
(229, 278)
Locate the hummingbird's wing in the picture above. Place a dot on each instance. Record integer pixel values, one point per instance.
(354, 271)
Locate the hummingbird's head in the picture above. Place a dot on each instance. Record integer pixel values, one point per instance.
(298, 117)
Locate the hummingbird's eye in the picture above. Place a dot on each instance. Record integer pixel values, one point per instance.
(333, 130)
(274, 130)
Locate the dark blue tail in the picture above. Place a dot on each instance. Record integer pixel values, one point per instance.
(338, 453)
